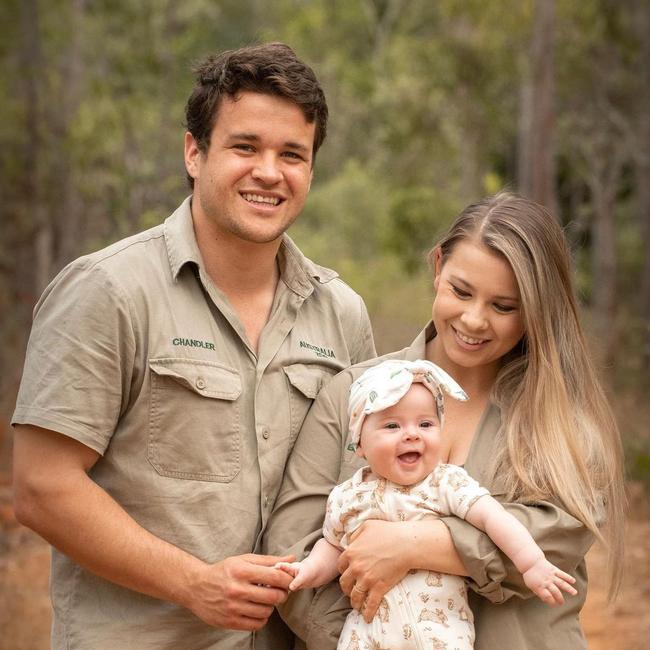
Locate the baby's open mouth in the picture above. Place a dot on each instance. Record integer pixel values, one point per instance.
(410, 457)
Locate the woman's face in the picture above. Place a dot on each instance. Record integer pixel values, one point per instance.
(477, 310)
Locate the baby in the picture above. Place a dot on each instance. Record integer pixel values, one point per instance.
(396, 411)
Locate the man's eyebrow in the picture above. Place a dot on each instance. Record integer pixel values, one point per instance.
(467, 285)
(249, 137)
(252, 137)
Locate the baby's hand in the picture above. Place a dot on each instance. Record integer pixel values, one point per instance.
(547, 582)
(295, 569)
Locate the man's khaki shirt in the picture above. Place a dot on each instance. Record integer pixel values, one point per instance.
(135, 353)
(507, 615)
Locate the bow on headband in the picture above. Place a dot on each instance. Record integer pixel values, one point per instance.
(385, 384)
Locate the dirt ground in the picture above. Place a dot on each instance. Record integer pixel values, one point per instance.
(25, 608)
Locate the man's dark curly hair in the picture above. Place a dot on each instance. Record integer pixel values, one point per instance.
(272, 68)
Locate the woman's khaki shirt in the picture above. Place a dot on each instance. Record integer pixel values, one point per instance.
(507, 615)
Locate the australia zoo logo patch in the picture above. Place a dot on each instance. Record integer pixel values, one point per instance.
(320, 351)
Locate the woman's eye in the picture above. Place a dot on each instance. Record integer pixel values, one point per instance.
(460, 292)
(504, 309)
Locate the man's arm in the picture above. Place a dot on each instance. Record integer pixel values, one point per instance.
(56, 498)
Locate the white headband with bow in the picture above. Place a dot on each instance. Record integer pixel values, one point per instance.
(385, 384)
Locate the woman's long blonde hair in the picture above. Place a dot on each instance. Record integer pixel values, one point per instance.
(561, 441)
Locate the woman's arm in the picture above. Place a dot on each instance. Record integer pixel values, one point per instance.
(544, 579)
(452, 545)
(563, 539)
(381, 553)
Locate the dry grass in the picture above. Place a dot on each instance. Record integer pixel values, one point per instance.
(25, 613)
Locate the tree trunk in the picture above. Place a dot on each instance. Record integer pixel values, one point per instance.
(604, 269)
(537, 121)
(35, 213)
(470, 148)
(68, 209)
(642, 164)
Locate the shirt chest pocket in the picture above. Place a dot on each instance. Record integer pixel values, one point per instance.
(194, 420)
(305, 382)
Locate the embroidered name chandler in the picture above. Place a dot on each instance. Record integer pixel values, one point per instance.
(193, 343)
(320, 352)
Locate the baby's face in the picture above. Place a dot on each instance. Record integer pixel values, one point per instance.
(402, 443)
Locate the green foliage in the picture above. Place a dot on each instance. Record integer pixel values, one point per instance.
(425, 108)
(417, 215)
(344, 215)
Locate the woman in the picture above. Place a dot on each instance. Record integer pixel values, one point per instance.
(537, 432)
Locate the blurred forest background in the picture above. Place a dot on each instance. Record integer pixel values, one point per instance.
(433, 104)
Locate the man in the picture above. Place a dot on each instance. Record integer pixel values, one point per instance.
(168, 375)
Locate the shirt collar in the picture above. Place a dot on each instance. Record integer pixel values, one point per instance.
(296, 271)
(418, 349)
(180, 239)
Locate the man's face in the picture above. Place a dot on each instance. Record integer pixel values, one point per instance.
(253, 181)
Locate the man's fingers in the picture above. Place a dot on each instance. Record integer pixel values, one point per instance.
(254, 610)
(267, 596)
(265, 573)
(247, 623)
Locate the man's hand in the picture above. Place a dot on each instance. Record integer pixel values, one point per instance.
(238, 593)
(547, 582)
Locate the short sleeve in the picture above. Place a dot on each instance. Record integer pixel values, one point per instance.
(333, 530)
(365, 348)
(457, 490)
(79, 360)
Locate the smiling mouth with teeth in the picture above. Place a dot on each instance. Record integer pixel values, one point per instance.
(257, 198)
(468, 339)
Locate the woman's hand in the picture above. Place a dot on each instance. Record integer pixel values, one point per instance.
(375, 561)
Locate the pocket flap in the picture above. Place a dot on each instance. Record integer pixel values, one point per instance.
(308, 379)
(206, 378)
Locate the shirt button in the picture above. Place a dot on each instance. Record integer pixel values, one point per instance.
(200, 383)
(266, 502)
(265, 434)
